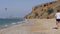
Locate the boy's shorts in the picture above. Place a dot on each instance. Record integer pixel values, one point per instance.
(57, 19)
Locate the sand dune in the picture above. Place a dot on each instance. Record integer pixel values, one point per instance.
(34, 26)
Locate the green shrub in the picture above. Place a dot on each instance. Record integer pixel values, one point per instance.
(43, 12)
(35, 8)
(50, 10)
(36, 14)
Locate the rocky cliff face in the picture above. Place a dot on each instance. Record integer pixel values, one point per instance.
(44, 11)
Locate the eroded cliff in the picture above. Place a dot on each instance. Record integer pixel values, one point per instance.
(44, 11)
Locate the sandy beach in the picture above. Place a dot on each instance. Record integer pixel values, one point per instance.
(34, 26)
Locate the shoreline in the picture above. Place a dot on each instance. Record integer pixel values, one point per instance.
(14, 24)
(32, 26)
(10, 25)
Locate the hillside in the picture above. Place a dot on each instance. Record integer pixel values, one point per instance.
(44, 11)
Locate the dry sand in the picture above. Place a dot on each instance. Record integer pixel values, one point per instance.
(34, 26)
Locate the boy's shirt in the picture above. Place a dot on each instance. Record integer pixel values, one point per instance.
(57, 15)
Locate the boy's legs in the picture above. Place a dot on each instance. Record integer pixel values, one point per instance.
(57, 23)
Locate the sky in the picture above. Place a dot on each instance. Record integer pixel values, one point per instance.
(18, 8)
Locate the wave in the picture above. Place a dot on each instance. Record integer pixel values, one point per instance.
(13, 23)
(6, 25)
(9, 22)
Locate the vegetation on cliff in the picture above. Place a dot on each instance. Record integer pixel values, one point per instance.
(44, 11)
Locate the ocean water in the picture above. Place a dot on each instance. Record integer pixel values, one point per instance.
(8, 22)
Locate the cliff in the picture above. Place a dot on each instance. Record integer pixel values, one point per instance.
(44, 11)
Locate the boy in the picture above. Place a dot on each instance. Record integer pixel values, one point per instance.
(57, 15)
